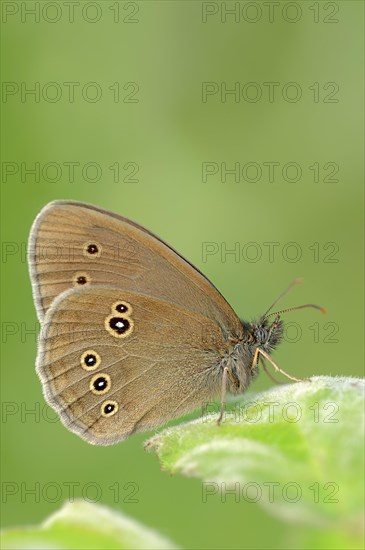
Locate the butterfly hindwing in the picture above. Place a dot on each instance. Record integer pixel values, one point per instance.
(113, 361)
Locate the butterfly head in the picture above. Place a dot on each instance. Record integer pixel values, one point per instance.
(261, 335)
(264, 334)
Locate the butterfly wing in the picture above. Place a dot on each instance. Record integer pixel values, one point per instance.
(73, 244)
(113, 362)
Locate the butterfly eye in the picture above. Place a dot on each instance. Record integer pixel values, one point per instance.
(92, 249)
(109, 408)
(90, 360)
(261, 334)
(100, 383)
(81, 279)
(119, 327)
(122, 307)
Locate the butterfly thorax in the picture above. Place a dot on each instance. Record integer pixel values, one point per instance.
(258, 334)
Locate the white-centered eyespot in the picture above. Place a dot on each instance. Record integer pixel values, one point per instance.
(109, 408)
(100, 383)
(90, 360)
(92, 249)
(81, 278)
(118, 326)
(121, 306)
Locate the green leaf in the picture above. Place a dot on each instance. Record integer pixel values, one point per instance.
(296, 450)
(82, 525)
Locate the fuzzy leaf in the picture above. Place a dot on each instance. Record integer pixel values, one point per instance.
(82, 525)
(297, 450)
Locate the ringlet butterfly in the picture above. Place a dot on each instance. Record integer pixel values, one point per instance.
(132, 334)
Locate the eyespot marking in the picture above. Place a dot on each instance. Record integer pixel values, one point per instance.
(100, 383)
(121, 306)
(81, 279)
(90, 360)
(119, 327)
(92, 249)
(109, 408)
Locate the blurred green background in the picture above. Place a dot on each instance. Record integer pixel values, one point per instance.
(167, 132)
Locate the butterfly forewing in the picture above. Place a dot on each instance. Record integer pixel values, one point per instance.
(74, 245)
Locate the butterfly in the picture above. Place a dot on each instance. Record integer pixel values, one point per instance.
(132, 334)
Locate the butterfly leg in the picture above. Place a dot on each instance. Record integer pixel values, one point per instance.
(278, 369)
(223, 393)
(268, 373)
(254, 360)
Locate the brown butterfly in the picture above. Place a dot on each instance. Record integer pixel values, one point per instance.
(132, 333)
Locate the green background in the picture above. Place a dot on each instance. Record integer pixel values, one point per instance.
(169, 133)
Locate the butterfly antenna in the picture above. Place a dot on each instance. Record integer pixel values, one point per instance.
(293, 283)
(320, 308)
